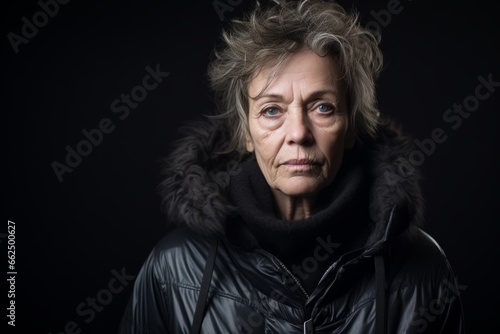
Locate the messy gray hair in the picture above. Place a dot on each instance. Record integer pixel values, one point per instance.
(266, 37)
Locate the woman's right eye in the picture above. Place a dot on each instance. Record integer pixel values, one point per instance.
(271, 111)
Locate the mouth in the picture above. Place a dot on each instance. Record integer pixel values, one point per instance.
(300, 164)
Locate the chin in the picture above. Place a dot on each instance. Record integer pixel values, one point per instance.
(300, 186)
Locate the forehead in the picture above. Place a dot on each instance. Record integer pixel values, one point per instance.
(304, 68)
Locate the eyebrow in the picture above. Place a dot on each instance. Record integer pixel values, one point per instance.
(312, 96)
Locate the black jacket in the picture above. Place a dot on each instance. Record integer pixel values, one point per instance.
(393, 277)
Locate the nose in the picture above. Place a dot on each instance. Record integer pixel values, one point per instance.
(298, 129)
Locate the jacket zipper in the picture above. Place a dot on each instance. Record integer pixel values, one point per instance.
(308, 324)
(294, 279)
(280, 264)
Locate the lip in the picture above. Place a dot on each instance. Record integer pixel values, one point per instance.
(300, 162)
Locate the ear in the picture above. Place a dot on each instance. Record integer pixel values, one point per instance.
(249, 143)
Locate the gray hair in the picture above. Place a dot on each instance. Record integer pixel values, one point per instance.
(268, 36)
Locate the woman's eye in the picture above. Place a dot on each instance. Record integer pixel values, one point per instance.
(324, 108)
(271, 111)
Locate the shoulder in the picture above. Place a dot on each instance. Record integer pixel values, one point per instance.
(423, 286)
(172, 270)
(418, 257)
(422, 244)
(179, 253)
(180, 240)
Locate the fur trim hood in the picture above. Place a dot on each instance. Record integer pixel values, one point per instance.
(196, 178)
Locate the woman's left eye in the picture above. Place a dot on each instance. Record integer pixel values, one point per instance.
(324, 108)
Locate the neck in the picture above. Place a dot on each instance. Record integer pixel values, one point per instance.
(293, 207)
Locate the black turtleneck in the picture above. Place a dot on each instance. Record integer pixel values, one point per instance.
(339, 221)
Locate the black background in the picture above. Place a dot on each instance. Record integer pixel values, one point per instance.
(106, 214)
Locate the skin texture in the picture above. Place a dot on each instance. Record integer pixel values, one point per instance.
(298, 129)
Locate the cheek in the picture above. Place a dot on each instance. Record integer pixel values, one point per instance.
(267, 148)
(266, 143)
(332, 144)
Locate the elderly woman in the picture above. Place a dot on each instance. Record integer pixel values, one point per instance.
(296, 209)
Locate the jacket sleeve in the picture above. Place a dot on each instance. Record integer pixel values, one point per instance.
(451, 319)
(441, 313)
(146, 309)
(438, 307)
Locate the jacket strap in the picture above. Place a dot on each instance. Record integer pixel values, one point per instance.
(205, 286)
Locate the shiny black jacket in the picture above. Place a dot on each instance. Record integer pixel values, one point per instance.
(397, 281)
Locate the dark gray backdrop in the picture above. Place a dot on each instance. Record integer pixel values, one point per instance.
(75, 237)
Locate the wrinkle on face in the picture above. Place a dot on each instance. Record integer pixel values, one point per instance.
(297, 127)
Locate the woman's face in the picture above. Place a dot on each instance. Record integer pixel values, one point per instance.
(298, 124)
